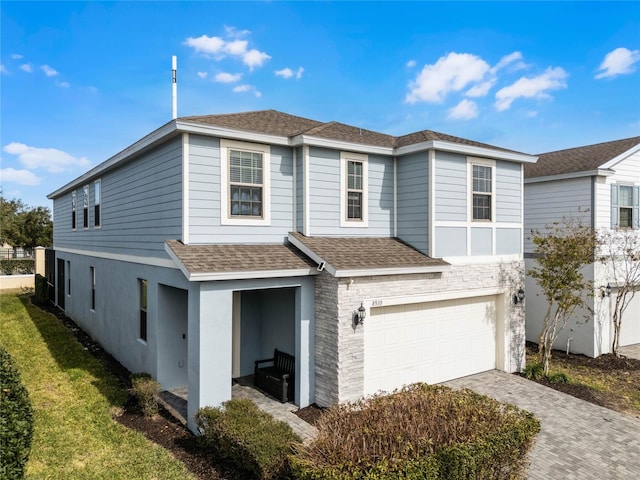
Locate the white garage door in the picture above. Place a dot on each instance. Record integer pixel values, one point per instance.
(630, 328)
(428, 342)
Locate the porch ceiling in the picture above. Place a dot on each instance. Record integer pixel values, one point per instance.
(233, 261)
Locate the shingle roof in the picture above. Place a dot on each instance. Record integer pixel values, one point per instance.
(579, 159)
(273, 122)
(234, 258)
(366, 253)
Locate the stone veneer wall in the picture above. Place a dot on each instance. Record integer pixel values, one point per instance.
(339, 355)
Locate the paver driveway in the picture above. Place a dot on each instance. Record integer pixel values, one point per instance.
(577, 440)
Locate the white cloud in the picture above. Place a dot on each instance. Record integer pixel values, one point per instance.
(219, 48)
(25, 67)
(21, 177)
(288, 73)
(618, 62)
(16, 56)
(254, 58)
(465, 110)
(3, 69)
(202, 74)
(508, 60)
(450, 73)
(205, 44)
(532, 113)
(533, 87)
(247, 88)
(411, 63)
(481, 89)
(64, 84)
(228, 77)
(51, 159)
(49, 71)
(284, 73)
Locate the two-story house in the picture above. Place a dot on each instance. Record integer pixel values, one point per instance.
(600, 185)
(215, 239)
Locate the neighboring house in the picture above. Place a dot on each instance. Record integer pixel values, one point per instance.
(215, 239)
(599, 184)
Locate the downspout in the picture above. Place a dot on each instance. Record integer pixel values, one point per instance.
(295, 191)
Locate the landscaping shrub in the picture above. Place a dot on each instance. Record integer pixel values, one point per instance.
(145, 389)
(16, 421)
(533, 371)
(41, 294)
(255, 443)
(419, 432)
(16, 267)
(558, 377)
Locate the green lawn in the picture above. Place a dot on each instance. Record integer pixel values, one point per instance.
(73, 398)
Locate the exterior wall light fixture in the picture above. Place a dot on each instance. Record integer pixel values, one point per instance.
(518, 297)
(359, 315)
(605, 291)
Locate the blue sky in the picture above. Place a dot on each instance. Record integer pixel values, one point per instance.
(81, 81)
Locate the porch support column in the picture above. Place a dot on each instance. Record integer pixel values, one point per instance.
(305, 347)
(210, 356)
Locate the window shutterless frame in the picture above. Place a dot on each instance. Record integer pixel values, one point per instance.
(85, 216)
(97, 198)
(481, 192)
(74, 206)
(143, 308)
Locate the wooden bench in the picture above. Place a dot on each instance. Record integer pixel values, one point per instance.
(278, 378)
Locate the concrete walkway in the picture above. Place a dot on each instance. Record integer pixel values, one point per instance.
(631, 351)
(578, 440)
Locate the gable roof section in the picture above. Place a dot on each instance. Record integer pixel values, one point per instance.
(364, 256)
(581, 159)
(232, 261)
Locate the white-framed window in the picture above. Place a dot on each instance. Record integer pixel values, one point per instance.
(625, 206)
(142, 284)
(68, 278)
(74, 207)
(482, 190)
(85, 216)
(92, 273)
(97, 195)
(245, 186)
(354, 170)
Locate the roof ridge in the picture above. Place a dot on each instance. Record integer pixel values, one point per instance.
(590, 145)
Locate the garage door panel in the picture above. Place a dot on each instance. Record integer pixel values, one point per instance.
(430, 342)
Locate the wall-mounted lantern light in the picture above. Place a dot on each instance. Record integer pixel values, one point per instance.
(518, 297)
(359, 315)
(605, 291)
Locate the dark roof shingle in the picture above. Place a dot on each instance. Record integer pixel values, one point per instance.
(230, 258)
(579, 159)
(366, 253)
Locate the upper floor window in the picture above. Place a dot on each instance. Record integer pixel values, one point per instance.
(96, 203)
(625, 206)
(73, 210)
(353, 190)
(245, 186)
(482, 192)
(85, 216)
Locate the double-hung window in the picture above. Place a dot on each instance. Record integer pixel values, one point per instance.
(85, 212)
(353, 194)
(625, 206)
(245, 192)
(73, 210)
(96, 203)
(482, 192)
(143, 309)
(92, 273)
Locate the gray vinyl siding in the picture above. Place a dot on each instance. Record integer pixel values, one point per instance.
(548, 202)
(141, 207)
(204, 197)
(299, 190)
(451, 187)
(508, 192)
(413, 200)
(324, 195)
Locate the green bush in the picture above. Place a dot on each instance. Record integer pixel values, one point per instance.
(146, 390)
(41, 294)
(16, 421)
(558, 377)
(533, 371)
(255, 443)
(16, 267)
(419, 432)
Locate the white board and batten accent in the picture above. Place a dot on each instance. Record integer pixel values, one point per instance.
(630, 327)
(431, 339)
